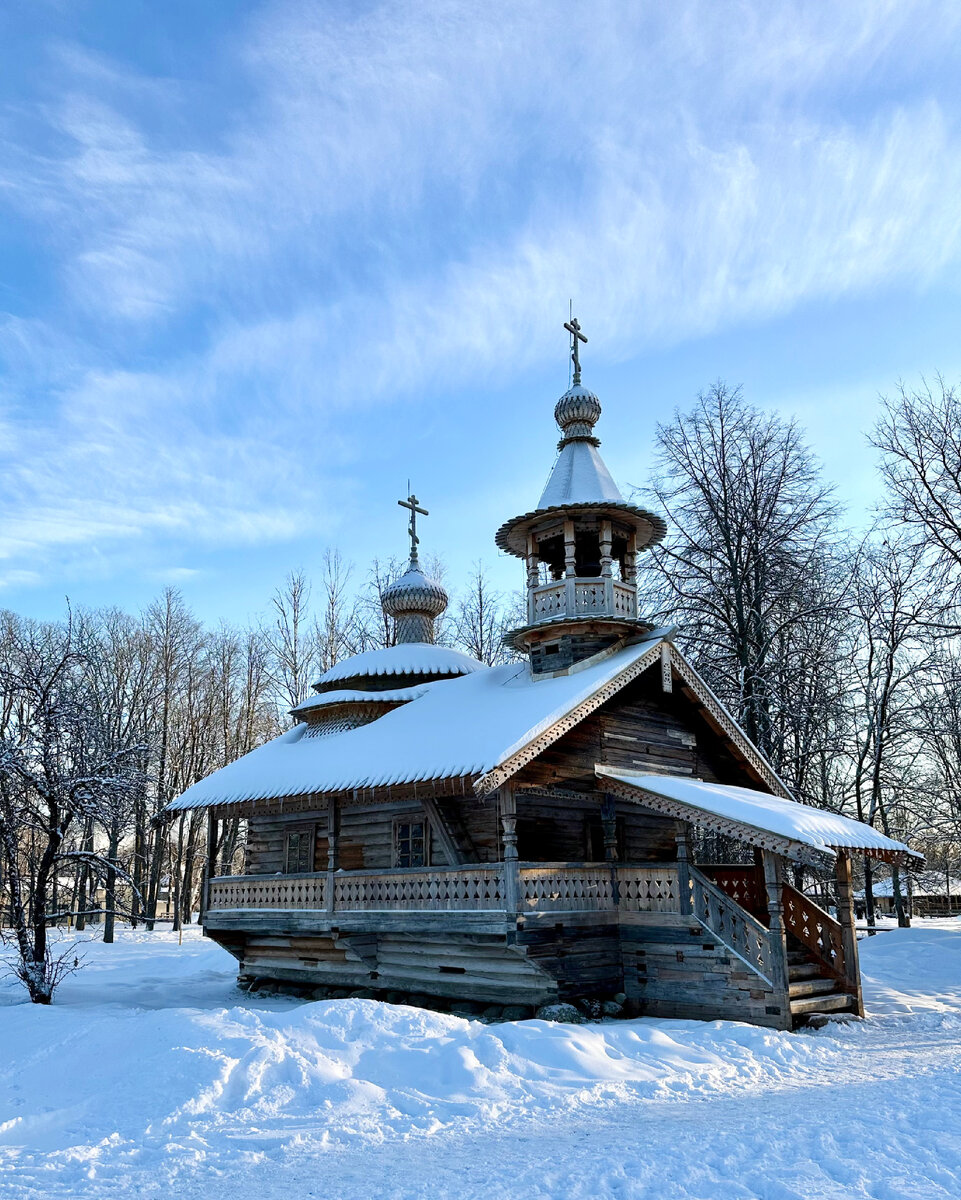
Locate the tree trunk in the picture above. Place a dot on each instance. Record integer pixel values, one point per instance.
(869, 896)
(110, 888)
(84, 877)
(178, 878)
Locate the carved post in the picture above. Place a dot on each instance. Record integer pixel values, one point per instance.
(774, 885)
(849, 937)
(667, 675)
(533, 577)
(683, 868)
(630, 559)
(570, 567)
(606, 566)
(609, 824)
(332, 815)
(512, 875)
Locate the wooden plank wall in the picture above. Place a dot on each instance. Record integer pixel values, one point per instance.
(584, 960)
(365, 840)
(675, 969)
(266, 836)
(471, 967)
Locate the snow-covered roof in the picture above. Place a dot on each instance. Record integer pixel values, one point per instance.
(356, 696)
(409, 658)
(579, 476)
(757, 814)
(455, 727)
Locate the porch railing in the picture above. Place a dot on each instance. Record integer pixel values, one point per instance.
(268, 891)
(816, 929)
(732, 925)
(543, 887)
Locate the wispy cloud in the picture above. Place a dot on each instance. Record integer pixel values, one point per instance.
(398, 199)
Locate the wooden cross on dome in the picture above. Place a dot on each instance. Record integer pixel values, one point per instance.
(411, 503)
(574, 329)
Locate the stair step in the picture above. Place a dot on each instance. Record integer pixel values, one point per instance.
(812, 987)
(824, 1003)
(803, 971)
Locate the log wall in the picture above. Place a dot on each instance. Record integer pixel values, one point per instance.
(673, 968)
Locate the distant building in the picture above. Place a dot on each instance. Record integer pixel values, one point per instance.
(927, 893)
(519, 834)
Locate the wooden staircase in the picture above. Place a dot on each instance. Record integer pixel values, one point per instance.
(813, 989)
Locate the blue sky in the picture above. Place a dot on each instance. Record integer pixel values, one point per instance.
(261, 263)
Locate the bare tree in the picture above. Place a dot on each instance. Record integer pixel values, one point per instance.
(59, 767)
(894, 654)
(291, 642)
(749, 569)
(919, 436)
(480, 620)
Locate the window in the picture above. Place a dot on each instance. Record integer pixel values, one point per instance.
(298, 852)
(410, 844)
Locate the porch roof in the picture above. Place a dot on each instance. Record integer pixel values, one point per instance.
(798, 831)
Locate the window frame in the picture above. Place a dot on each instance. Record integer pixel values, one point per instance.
(397, 839)
(306, 851)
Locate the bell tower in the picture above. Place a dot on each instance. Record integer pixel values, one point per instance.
(580, 544)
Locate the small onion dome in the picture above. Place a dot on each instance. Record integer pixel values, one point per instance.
(413, 592)
(577, 412)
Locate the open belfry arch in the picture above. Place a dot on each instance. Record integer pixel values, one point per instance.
(435, 828)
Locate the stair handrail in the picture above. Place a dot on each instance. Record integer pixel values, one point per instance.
(817, 930)
(732, 925)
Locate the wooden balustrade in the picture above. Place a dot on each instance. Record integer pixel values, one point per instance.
(732, 925)
(603, 596)
(477, 889)
(648, 889)
(269, 891)
(548, 888)
(744, 884)
(816, 929)
(544, 887)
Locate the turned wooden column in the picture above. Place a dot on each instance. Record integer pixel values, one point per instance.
(332, 825)
(533, 577)
(609, 825)
(607, 561)
(512, 875)
(570, 567)
(849, 936)
(774, 885)
(684, 897)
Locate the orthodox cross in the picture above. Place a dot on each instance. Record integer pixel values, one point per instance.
(411, 503)
(574, 329)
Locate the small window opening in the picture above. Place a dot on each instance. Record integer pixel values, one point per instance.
(410, 844)
(298, 857)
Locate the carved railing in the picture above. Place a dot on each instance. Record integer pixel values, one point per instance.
(648, 889)
(548, 600)
(603, 596)
(591, 597)
(549, 887)
(743, 884)
(268, 891)
(473, 888)
(816, 929)
(542, 887)
(732, 925)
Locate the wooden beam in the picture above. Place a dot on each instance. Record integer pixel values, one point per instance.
(439, 825)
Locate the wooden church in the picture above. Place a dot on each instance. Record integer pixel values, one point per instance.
(534, 832)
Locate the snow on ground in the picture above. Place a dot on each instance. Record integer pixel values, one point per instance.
(152, 1074)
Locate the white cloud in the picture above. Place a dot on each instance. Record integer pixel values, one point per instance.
(405, 198)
